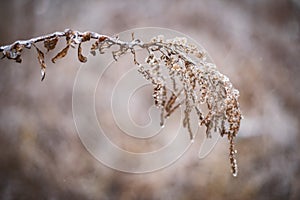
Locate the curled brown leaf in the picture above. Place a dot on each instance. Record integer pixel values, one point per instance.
(81, 58)
(61, 54)
(50, 44)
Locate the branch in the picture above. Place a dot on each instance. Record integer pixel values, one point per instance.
(73, 38)
(194, 80)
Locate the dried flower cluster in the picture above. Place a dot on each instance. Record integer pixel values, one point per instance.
(194, 80)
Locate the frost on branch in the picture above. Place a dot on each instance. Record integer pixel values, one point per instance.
(195, 81)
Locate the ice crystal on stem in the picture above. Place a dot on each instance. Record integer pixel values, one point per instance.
(194, 80)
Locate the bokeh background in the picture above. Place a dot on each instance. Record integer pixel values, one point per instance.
(254, 42)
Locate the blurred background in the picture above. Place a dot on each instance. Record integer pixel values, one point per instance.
(256, 43)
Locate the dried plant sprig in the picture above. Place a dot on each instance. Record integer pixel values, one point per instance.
(194, 80)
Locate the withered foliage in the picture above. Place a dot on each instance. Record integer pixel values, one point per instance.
(41, 59)
(50, 44)
(194, 80)
(81, 58)
(61, 54)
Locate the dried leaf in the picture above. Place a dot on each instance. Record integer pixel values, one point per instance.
(41, 59)
(94, 47)
(14, 53)
(102, 38)
(18, 59)
(19, 47)
(86, 37)
(81, 58)
(50, 44)
(69, 35)
(61, 54)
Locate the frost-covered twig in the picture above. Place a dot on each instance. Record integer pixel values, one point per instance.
(73, 38)
(194, 80)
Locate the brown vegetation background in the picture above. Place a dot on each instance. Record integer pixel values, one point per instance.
(256, 43)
